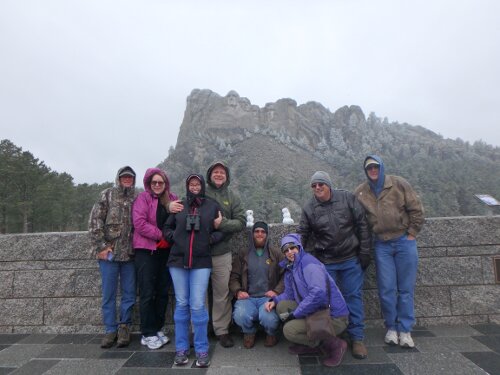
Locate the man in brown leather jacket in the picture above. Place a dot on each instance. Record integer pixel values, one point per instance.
(396, 216)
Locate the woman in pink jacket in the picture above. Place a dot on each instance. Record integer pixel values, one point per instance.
(149, 213)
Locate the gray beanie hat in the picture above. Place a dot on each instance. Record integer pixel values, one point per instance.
(320, 176)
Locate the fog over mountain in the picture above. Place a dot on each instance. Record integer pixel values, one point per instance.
(272, 152)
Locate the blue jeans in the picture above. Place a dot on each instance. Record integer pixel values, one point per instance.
(110, 273)
(251, 310)
(397, 262)
(349, 278)
(190, 287)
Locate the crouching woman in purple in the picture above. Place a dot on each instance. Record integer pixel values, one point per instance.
(305, 293)
(192, 231)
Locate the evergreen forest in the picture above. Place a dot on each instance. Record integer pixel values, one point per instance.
(33, 198)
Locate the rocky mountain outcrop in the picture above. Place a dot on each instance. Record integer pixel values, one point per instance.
(273, 151)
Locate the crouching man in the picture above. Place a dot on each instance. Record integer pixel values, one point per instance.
(255, 278)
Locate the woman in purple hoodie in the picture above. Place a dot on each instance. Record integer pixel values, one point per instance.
(305, 293)
(149, 213)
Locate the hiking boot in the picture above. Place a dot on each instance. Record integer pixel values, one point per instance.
(202, 360)
(359, 350)
(405, 340)
(248, 340)
(162, 337)
(123, 336)
(391, 337)
(108, 340)
(152, 342)
(271, 340)
(334, 349)
(181, 357)
(303, 349)
(225, 340)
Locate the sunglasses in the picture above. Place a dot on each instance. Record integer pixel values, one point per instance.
(317, 184)
(372, 166)
(287, 247)
(157, 183)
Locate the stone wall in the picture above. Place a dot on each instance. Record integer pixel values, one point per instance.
(49, 282)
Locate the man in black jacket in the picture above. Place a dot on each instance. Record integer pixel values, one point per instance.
(338, 224)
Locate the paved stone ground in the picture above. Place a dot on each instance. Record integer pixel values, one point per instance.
(440, 350)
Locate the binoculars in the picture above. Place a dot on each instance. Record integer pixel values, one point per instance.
(193, 223)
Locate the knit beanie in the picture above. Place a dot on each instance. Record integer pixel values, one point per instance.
(322, 177)
(262, 225)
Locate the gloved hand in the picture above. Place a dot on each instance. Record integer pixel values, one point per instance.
(216, 237)
(287, 316)
(364, 260)
(162, 244)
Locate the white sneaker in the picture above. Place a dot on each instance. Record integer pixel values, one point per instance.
(391, 337)
(163, 338)
(405, 340)
(152, 342)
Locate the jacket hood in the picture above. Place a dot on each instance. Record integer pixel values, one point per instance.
(209, 172)
(117, 179)
(120, 171)
(148, 176)
(258, 224)
(190, 196)
(377, 186)
(295, 239)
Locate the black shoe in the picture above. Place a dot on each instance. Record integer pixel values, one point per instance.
(225, 340)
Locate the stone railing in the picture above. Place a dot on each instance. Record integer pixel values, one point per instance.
(49, 282)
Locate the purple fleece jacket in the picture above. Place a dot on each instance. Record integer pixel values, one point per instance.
(310, 277)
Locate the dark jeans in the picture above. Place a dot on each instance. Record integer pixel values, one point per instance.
(153, 281)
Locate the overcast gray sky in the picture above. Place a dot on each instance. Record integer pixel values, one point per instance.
(90, 85)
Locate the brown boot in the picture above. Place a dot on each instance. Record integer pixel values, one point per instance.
(271, 340)
(123, 336)
(359, 350)
(334, 349)
(108, 340)
(249, 340)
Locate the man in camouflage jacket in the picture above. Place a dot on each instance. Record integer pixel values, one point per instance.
(110, 229)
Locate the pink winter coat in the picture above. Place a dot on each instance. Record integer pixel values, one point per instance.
(146, 231)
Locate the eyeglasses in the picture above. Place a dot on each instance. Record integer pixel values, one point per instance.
(157, 183)
(317, 184)
(372, 166)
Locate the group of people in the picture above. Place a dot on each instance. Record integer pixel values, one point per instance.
(152, 240)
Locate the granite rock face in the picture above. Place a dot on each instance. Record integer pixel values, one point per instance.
(50, 282)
